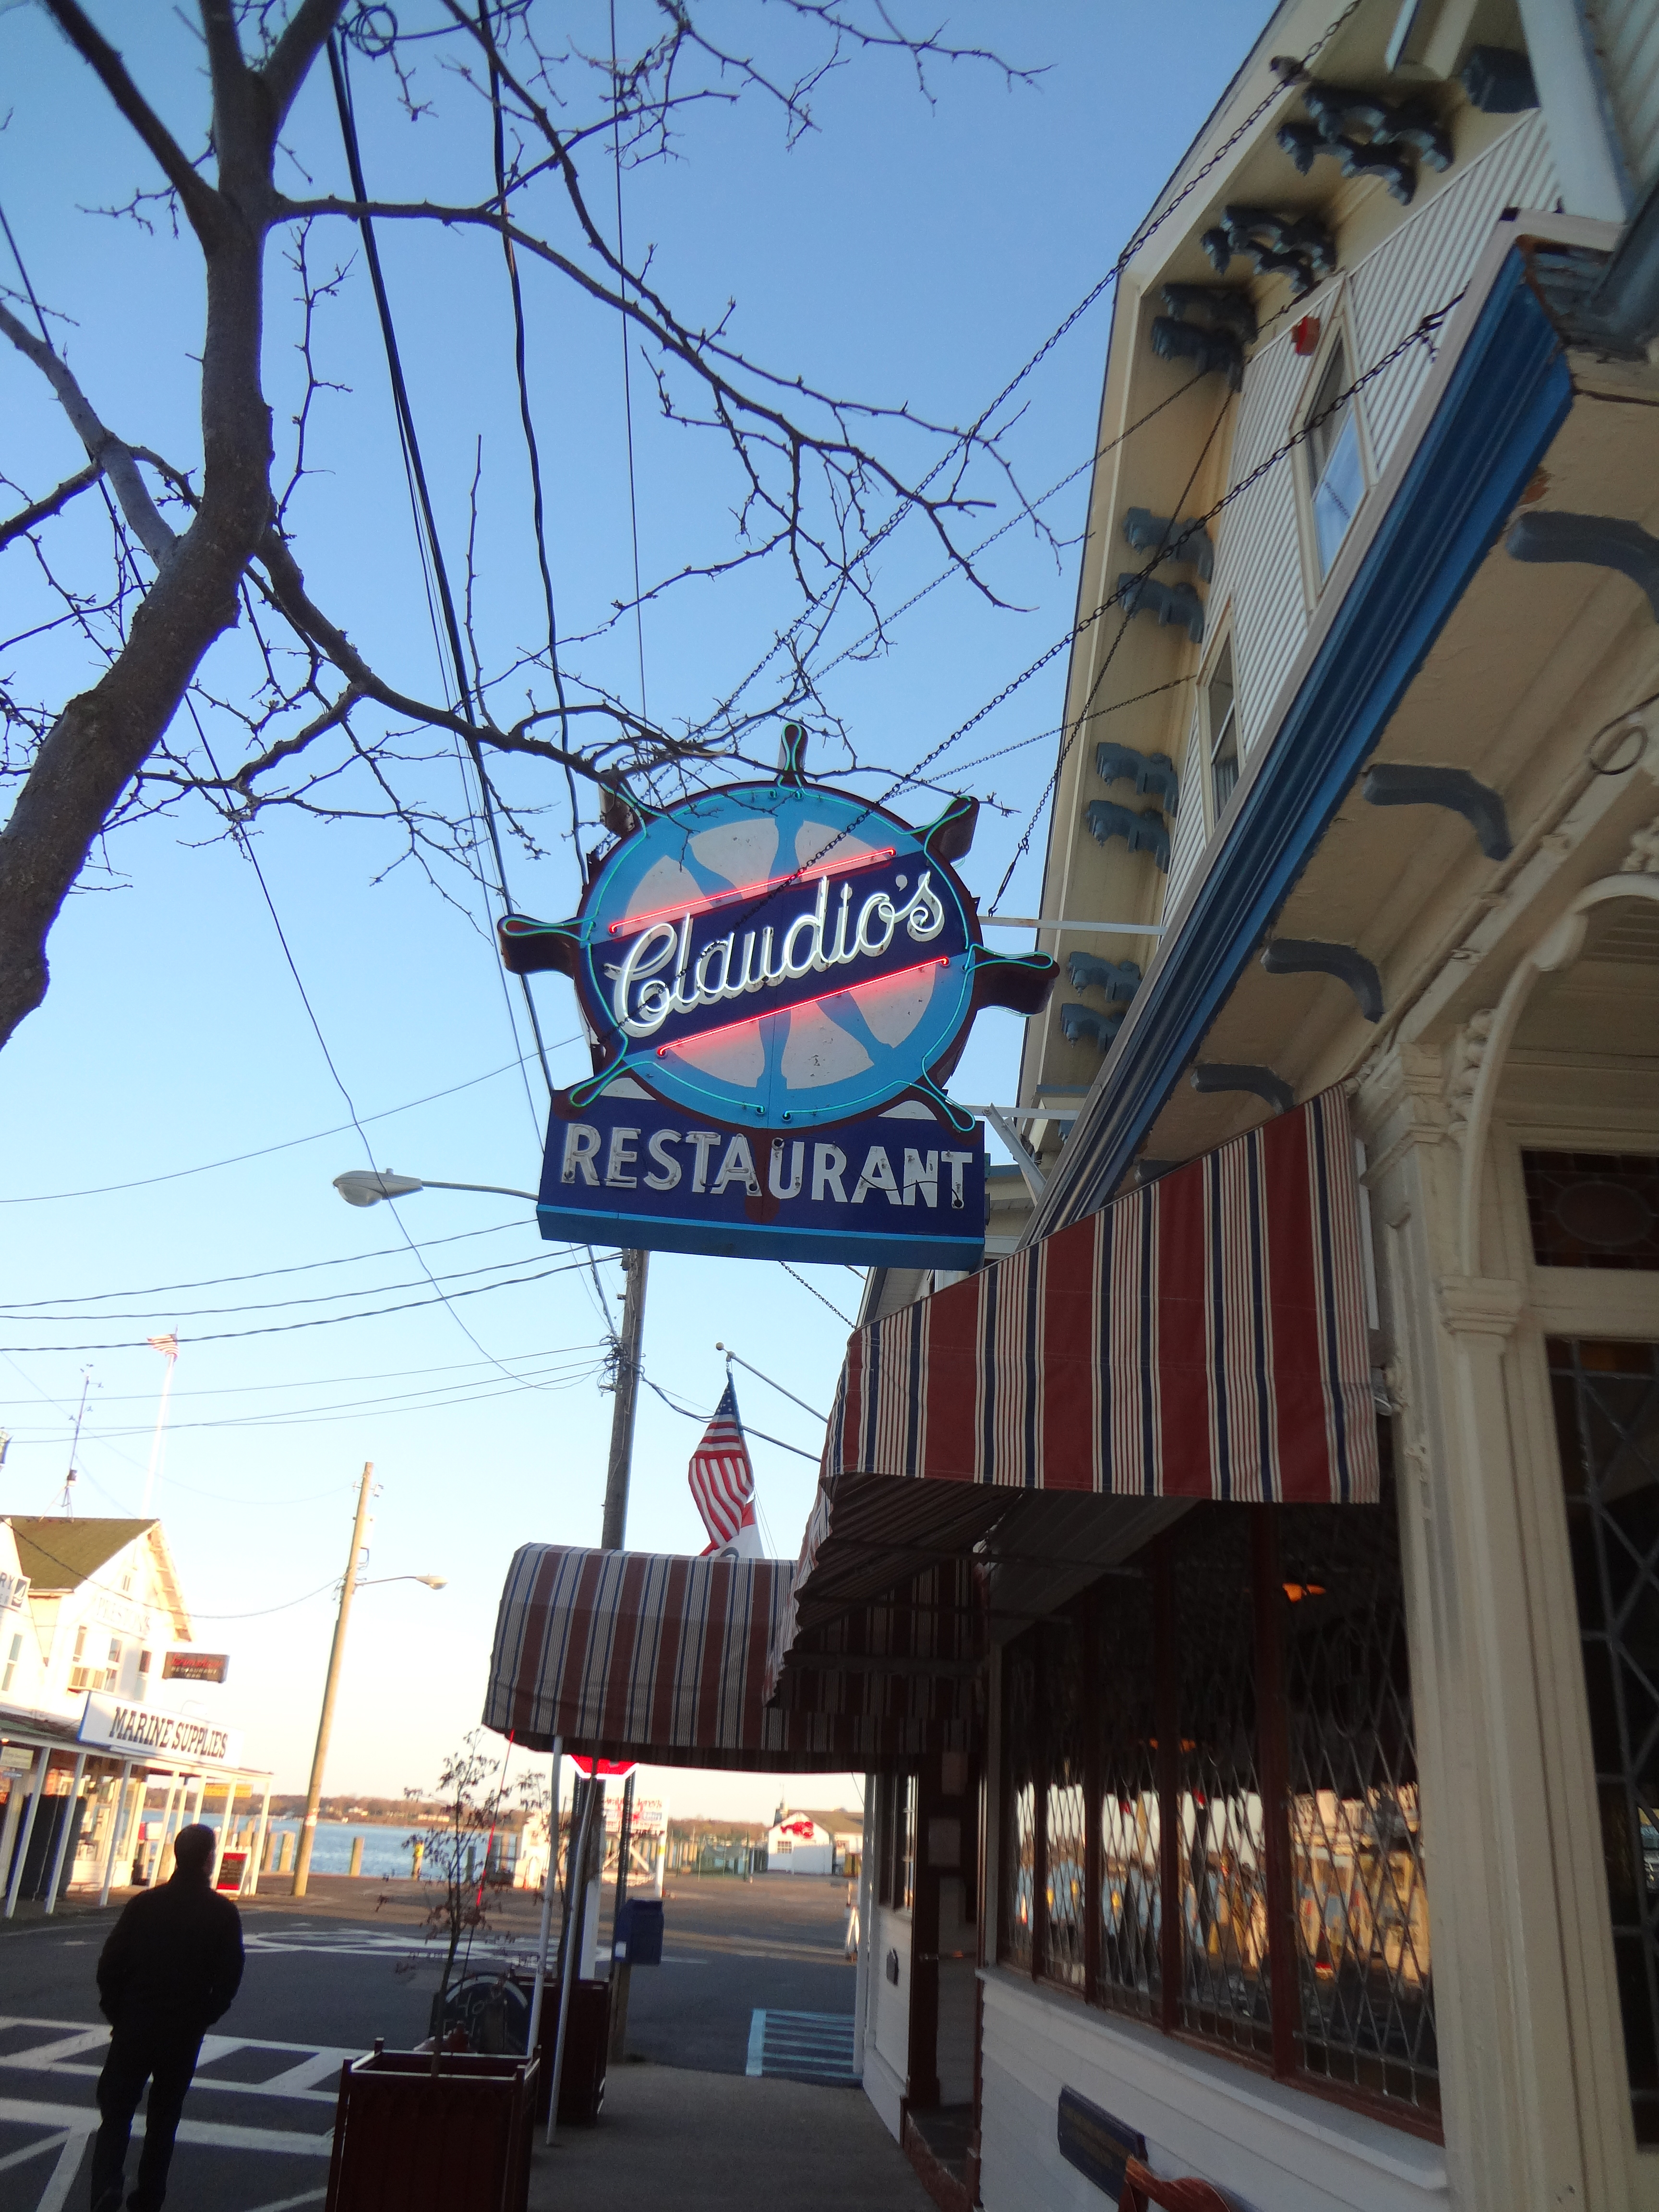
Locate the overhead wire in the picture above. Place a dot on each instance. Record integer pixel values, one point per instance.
(527, 423)
(1145, 231)
(331, 1321)
(264, 1151)
(628, 380)
(426, 521)
(259, 1274)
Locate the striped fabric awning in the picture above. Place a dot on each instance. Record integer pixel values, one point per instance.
(630, 1655)
(1204, 1337)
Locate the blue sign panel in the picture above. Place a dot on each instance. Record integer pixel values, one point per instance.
(780, 957)
(888, 1191)
(1097, 2142)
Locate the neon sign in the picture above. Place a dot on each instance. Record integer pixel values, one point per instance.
(779, 956)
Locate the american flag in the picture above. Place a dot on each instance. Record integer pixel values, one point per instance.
(723, 1481)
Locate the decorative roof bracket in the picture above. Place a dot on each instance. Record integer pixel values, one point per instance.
(1143, 832)
(1296, 246)
(1600, 541)
(1301, 956)
(1118, 979)
(1153, 772)
(1395, 139)
(1188, 541)
(1173, 604)
(1083, 1025)
(1403, 783)
(1218, 1075)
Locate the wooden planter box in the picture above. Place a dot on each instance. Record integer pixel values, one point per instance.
(407, 2142)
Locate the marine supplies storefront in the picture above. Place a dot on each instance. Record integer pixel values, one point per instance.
(1104, 1572)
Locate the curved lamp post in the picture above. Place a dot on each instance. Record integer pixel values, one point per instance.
(368, 1186)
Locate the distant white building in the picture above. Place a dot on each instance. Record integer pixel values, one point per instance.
(106, 1702)
(795, 1844)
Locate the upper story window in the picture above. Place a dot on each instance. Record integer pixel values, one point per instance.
(1336, 471)
(1221, 713)
(14, 1653)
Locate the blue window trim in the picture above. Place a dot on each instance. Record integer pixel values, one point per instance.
(1507, 397)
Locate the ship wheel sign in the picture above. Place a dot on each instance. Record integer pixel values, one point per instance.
(772, 961)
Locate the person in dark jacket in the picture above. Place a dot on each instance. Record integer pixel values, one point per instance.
(172, 1963)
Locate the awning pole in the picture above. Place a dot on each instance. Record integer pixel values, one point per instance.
(70, 1803)
(37, 1790)
(252, 1886)
(115, 1820)
(548, 1886)
(571, 1946)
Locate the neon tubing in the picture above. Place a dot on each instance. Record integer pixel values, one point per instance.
(632, 921)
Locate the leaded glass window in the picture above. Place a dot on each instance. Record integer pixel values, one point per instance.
(1223, 1892)
(1065, 1799)
(1607, 1412)
(1020, 1764)
(1365, 2001)
(1131, 1918)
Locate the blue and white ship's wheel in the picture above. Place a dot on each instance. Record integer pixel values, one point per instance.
(779, 956)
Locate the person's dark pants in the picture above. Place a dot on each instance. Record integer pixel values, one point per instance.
(166, 2060)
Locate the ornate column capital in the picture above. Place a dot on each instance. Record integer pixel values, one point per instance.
(1479, 1305)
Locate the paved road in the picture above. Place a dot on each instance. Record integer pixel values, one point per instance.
(321, 1984)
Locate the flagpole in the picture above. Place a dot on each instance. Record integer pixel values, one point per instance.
(169, 1348)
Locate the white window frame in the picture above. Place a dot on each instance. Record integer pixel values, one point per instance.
(1338, 331)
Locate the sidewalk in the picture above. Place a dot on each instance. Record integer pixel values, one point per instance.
(727, 2142)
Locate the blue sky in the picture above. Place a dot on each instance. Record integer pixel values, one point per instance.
(902, 252)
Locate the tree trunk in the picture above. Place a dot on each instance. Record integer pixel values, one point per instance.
(98, 744)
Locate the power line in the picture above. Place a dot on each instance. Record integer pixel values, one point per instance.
(816, 1293)
(426, 520)
(323, 1298)
(330, 1320)
(628, 380)
(261, 1274)
(312, 1382)
(288, 1144)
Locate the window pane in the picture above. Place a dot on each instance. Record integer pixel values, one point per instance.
(1223, 1899)
(1222, 711)
(1020, 1800)
(1593, 1209)
(1339, 490)
(1607, 1400)
(1325, 420)
(1365, 1987)
(1131, 1921)
(1062, 1702)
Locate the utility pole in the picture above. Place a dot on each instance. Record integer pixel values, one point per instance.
(628, 1389)
(314, 1796)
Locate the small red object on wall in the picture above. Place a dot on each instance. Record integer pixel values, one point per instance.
(1305, 335)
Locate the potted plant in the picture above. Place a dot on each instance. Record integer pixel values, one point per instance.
(444, 2127)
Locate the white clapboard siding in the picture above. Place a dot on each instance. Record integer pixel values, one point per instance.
(1422, 264)
(1258, 568)
(1626, 38)
(1186, 830)
(1419, 268)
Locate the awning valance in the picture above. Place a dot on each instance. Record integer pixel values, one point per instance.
(630, 1655)
(1204, 1337)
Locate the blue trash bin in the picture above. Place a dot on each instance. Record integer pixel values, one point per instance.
(638, 1938)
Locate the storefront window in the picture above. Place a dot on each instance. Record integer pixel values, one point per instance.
(1224, 1902)
(1020, 1761)
(1254, 1659)
(1607, 1412)
(1063, 1811)
(1131, 1916)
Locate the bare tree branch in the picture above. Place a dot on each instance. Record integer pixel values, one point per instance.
(105, 450)
(42, 510)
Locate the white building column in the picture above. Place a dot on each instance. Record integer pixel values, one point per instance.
(118, 1822)
(251, 1886)
(1511, 2113)
(70, 1803)
(37, 1783)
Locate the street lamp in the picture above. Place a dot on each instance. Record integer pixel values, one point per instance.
(368, 1186)
(352, 1584)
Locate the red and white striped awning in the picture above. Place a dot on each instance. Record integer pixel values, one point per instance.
(1203, 1338)
(629, 1655)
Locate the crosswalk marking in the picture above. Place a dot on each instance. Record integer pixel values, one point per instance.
(814, 2046)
